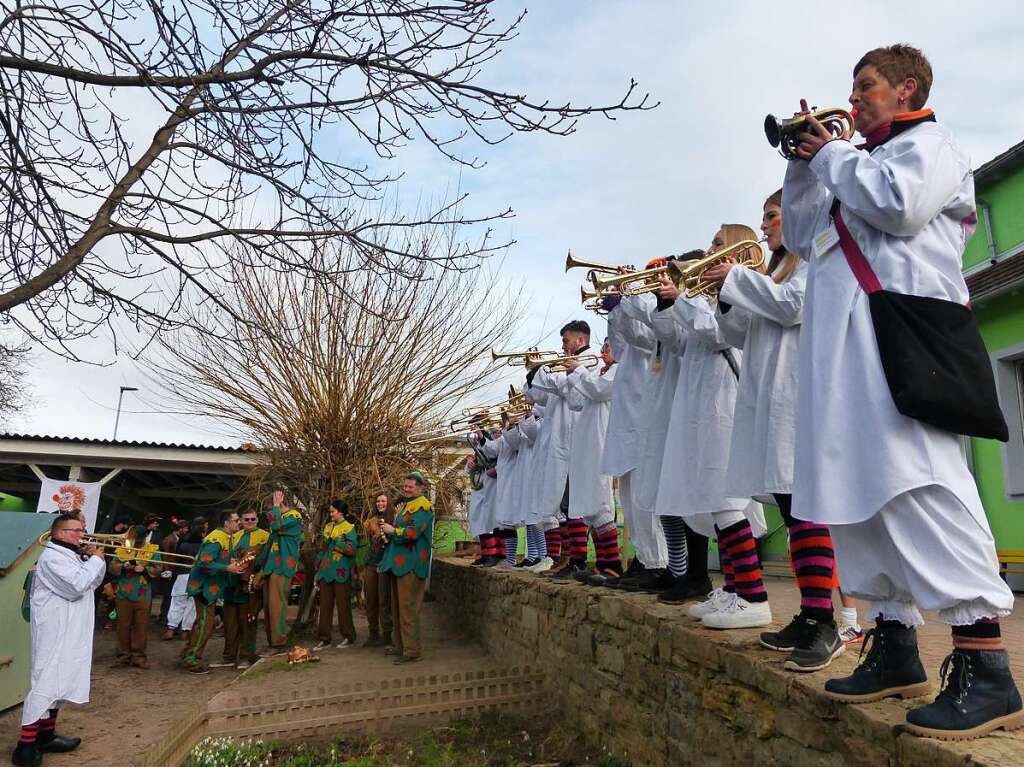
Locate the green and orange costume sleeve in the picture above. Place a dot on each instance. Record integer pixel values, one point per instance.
(284, 542)
(337, 556)
(209, 575)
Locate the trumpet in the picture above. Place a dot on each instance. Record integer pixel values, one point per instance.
(593, 266)
(783, 133)
(592, 300)
(558, 365)
(514, 397)
(688, 276)
(515, 359)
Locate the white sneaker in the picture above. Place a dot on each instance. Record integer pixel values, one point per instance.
(321, 645)
(545, 564)
(709, 605)
(344, 643)
(738, 613)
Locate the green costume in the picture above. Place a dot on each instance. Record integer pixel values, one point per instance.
(285, 538)
(135, 587)
(209, 576)
(409, 547)
(337, 555)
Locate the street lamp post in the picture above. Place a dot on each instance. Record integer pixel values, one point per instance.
(120, 397)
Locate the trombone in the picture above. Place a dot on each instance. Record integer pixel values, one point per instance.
(127, 548)
(783, 134)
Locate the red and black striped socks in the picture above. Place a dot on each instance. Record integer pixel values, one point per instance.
(553, 538)
(29, 733)
(606, 545)
(41, 729)
(814, 562)
(738, 541)
(577, 534)
(983, 634)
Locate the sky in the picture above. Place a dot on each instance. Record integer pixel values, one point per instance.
(646, 184)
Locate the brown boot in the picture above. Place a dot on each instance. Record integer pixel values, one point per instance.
(168, 635)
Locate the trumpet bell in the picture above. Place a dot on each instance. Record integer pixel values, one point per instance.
(574, 263)
(782, 134)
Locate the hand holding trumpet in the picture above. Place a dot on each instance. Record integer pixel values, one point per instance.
(816, 135)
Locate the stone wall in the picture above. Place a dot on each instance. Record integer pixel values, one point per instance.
(646, 683)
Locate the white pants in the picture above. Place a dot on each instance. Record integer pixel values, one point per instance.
(644, 529)
(923, 549)
(183, 609)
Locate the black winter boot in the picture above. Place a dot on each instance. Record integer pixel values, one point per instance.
(26, 755)
(632, 573)
(655, 581)
(978, 696)
(51, 743)
(891, 668)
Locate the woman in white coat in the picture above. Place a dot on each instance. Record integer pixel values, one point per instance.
(634, 346)
(906, 519)
(504, 451)
(693, 473)
(591, 498)
(62, 614)
(761, 314)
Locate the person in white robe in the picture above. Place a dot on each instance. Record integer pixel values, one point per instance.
(62, 615)
(591, 498)
(559, 418)
(906, 518)
(545, 518)
(537, 559)
(760, 313)
(692, 490)
(504, 450)
(633, 345)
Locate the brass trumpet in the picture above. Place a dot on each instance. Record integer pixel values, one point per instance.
(515, 359)
(514, 397)
(783, 133)
(593, 266)
(558, 365)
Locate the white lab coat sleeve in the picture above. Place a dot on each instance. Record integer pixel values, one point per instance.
(623, 322)
(554, 384)
(802, 200)
(759, 294)
(592, 385)
(899, 193)
(696, 317)
(667, 332)
(528, 427)
(491, 448)
(71, 579)
(513, 438)
(733, 324)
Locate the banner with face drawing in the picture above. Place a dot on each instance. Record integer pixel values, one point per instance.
(58, 495)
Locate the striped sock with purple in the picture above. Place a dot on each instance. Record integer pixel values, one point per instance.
(553, 542)
(606, 545)
(577, 530)
(745, 560)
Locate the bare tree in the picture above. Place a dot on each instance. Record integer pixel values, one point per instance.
(150, 149)
(329, 391)
(12, 377)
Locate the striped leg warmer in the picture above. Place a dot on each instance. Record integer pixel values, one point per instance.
(675, 541)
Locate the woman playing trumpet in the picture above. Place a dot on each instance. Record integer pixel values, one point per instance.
(693, 479)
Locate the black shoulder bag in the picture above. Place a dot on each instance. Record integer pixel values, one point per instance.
(935, 362)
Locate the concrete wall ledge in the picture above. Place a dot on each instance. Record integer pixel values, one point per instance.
(650, 684)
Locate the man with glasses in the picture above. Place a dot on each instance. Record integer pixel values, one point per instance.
(244, 597)
(62, 620)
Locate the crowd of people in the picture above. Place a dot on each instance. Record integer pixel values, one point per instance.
(236, 572)
(769, 387)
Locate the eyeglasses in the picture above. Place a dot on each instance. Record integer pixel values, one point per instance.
(248, 519)
(75, 529)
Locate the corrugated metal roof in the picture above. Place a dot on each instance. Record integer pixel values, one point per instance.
(18, 531)
(125, 443)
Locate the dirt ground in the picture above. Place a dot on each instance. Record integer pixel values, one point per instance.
(129, 708)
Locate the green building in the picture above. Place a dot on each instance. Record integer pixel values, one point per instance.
(994, 269)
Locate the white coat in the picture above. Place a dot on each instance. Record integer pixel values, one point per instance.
(693, 473)
(909, 204)
(765, 322)
(590, 491)
(504, 450)
(632, 368)
(61, 627)
(657, 329)
(481, 507)
(554, 391)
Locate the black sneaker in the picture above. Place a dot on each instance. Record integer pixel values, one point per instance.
(603, 577)
(891, 668)
(478, 561)
(682, 590)
(815, 648)
(786, 639)
(633, 573)
(655, 581)
(492, 560)
(581, 574)
(526, 563)
(978, 696)
(568, 574)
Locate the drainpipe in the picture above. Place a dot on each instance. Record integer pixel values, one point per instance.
(987, 210)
